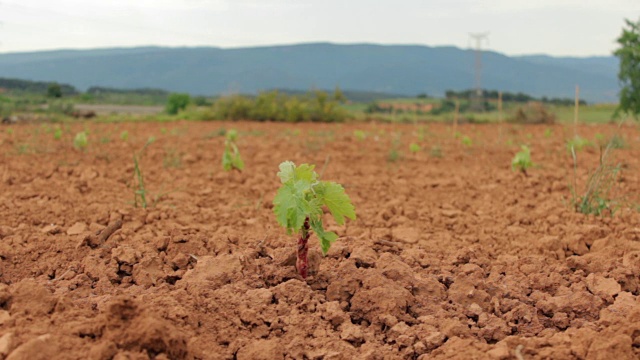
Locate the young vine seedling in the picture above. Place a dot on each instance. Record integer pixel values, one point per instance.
(231, 157)
(298, 208)
(57, 134)
(140, 192)
(80, 142)
(522, 160)
(360, 135)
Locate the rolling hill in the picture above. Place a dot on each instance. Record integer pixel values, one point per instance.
(394, 69)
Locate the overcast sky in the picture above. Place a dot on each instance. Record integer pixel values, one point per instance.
(555, 27)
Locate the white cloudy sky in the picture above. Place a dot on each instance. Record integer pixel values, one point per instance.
(556, 27)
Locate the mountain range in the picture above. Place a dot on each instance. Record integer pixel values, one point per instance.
(394, 69)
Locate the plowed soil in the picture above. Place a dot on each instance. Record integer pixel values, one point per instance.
(453, 255)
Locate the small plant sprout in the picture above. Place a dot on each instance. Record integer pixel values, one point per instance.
(57, 134)
(466, 141)
(548, 132)
(298, 208)
(140, 192)
(597, 198)
(360, 135)
(124, 136)
(394, 154)
(414, 148)
(80, 142)
(522, 160)
(421, 133)
(577, 143)
(436, 151)
(231, 157)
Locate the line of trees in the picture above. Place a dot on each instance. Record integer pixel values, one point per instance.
(97, 90)
(39, 87)
(518, 97)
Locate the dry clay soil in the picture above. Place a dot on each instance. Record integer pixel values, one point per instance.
(453, 255)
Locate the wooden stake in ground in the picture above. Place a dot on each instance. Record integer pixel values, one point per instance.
(455, 118)
(500, 115)
(500, 106)
(575, 112)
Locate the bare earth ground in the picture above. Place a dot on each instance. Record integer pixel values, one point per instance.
(455, 257)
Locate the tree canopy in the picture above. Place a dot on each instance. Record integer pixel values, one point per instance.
(629, 74)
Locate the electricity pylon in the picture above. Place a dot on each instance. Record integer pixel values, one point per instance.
(476, 101)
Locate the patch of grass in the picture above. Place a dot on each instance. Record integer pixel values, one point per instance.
(422, 133)
(216, 133)
(140, 191)
(597, 196)
(617, 142)
(292, 133)
(359, 135)
(171, 159)
(435, 152)
(23, 149)
(578, 143)
(394, 153)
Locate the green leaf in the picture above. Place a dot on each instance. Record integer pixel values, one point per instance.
(289, 171)
(522, 159)
(333, 196)
(302, 197)
(305, 172)
(286, 172)
(290, 207)
(326, 237)
(237, 162)
(231, 157)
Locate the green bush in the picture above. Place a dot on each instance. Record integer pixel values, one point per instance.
(54, 90)
(201, 101)
(232, 108)
(177, 102)
(274, 106)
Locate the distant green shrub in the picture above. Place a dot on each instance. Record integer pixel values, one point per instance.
(275, 106)
(177, 102)
(201, 101)
(80, 141)
(60, 107)
(54, 90)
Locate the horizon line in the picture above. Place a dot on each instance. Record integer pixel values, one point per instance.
(150, 46)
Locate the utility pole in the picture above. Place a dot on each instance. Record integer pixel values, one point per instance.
(575, 111)
(476, 103)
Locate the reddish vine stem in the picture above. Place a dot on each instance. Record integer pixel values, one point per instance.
(302, 263)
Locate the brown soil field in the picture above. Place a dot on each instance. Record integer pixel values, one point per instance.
(453, 255)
